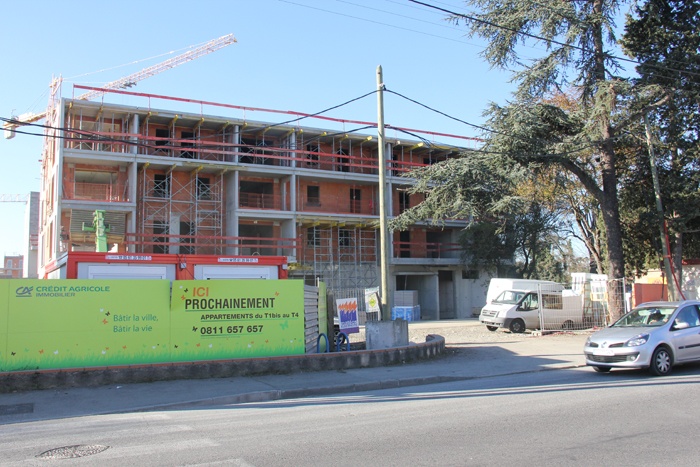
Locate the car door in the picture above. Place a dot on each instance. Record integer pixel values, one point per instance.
(529, 311)
(685, 333)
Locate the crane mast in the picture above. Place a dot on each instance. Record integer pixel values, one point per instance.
(129, 80)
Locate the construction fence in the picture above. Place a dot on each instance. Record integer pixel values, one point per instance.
(585, 304)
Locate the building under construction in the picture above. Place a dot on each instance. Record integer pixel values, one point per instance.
(207, 183)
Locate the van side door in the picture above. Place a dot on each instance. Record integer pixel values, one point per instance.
(528, 310)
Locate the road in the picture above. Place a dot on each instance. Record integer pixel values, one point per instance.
(560, 417)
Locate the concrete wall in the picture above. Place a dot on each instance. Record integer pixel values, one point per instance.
(34, 380)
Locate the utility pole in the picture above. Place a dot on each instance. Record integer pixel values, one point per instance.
(383, 233)
(660, 211)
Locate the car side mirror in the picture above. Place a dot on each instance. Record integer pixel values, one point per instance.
(680, 325)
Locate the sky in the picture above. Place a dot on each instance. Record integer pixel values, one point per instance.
(298, 55)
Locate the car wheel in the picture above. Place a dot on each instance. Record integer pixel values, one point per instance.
(568, 325)
(661, 362)
(517, 326)
(492, 328)
(601, 369)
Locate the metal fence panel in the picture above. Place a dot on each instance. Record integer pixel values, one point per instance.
(358, 293)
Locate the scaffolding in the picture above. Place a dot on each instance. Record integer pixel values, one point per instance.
(344, 257)
(180, 212)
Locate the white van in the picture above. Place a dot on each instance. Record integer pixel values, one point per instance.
(499, 284)
(547, 306)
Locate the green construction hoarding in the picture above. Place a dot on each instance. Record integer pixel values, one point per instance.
(214, 320)
(55, 324)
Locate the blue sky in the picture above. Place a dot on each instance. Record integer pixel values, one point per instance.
(301, 55)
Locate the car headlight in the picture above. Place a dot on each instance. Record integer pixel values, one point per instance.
(637, 340)
(588, 341)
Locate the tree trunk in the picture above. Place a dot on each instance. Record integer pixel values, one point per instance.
(610, 207)
(611, 218)
(678, 263)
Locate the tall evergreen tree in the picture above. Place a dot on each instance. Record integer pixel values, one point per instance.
(664, 37)
(577, 37)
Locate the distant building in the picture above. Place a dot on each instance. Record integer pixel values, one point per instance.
(31, 237)
(24, 264)
(13, 267)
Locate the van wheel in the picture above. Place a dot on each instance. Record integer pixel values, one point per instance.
(492, 328)
(517, 326)
(661, 362)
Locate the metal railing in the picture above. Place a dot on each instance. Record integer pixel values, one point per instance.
(260, 201)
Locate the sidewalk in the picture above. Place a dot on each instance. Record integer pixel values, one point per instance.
(461, 361)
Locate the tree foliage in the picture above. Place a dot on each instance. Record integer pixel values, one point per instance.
(529, 132)
(572, 114)
(664, 36)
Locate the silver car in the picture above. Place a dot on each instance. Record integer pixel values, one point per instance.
(654, 335)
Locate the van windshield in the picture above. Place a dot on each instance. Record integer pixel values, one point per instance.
(509, 297)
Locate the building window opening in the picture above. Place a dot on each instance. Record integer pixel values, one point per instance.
(343, 161)
(185, 247)
(395, 165)
(160, 243)
(256, 151)
(259, 195)
(433, 243)
(344, 238)
(432, 159)
(312, 157)
(313, 236)
(404, 244)
(203, 188)
(404, 201)
(313, 195)
(161, 186)
(186, 153)
(162, 136)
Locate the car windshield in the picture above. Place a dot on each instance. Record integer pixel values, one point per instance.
(509, 297)
(647, 316)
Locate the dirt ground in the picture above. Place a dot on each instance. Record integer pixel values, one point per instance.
(456, 333)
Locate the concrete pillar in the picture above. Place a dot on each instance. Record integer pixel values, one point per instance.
(231, 183)
(174, 229)
(134, 149)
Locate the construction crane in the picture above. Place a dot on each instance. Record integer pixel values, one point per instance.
(128, 81)
(6, 198)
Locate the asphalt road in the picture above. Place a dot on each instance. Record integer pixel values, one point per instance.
(563, 417)
(510, 399)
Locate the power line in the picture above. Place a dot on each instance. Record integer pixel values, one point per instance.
(375, 22)
(585, 147)
(443, 113)
(552, 41)
(317, 113)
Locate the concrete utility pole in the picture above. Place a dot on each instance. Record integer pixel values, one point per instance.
(383, 233)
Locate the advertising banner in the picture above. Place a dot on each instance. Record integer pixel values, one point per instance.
(372, 301)
(86, 323)
(214, 320)
(347, 315)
